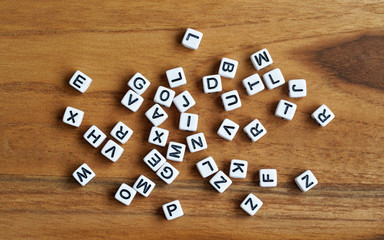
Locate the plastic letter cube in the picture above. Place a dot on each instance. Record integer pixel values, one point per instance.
(112, 151)
(228, 68)
(285, 110)
(261, 59)
(125, 194)
(139, 83)
(192, 39)
(83, 174)
(73, 116)
(306, 181)
(80, 81)
(323, 115)
(173, 210)
(207, 167)
(251, 204)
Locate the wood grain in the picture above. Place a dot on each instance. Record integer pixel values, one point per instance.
(337, 46)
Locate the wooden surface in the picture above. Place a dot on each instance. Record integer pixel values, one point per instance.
(337, 46)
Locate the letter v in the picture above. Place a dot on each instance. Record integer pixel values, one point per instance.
(131, 101)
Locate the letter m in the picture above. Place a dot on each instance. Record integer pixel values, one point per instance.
(83, 174)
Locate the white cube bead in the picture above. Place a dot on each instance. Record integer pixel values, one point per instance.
(94, 136)
(297, 88)
(139, 83)
(176, 151)
(207, 167)
(112, 151)
(83, 174)
(238, 168)
(228, 68)
(261, 59)
(196, 142)
(156, 115)
(176, 77)
(121, 132)
(132, 100)
(158, 136)
(167, 173)
(255, 130)
(144, 185)
(73, 116)
(212, 84)
(273, 79)
(306, 181)
(164, 96)
(192, 39)
(253, 84)
(154, 160)
(80, 81)
(220, 181)
(251, 204)
(172, 210)
(268, 178)
(184, 101)
(188, 121)
(228, 129)
(323, 115)
(285, 110)
(231, 100)
(125, 194)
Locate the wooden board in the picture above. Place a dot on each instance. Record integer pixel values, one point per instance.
(337, 46)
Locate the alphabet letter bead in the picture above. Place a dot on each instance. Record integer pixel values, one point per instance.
(228, 68)
(196, 142)
(158, 136)
(255, 130)
(94, 136)
(231, 100)
(164, 96)
(125, 194)
(132, 100)
(212, 84)
(261, 59)
(273, 79)
(112, 151)
(238, 169)
(154, 160)
(121, 132)
(268, 177)
(192, 39)
(188, 121)
(251, 204)
(306, 181)
(144, 185)
(297, 88)
(176, 77)
(156, 115)
(80, 81)
(176, 151)
(173, 210)
(73, 116)
(323, 115)
(184, 101)
(285, 110)
(253, 84)
(228, 129)
(83, 174)
(167, 173)
(220, 181)
(139, 83)
(207, 167)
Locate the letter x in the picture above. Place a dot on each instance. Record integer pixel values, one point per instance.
(72, 117)
(158, 136)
